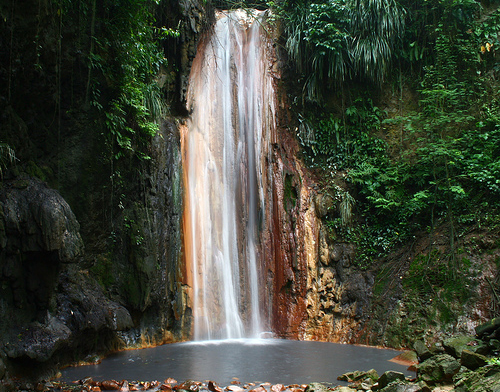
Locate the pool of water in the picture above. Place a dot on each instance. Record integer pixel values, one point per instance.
(262, 360)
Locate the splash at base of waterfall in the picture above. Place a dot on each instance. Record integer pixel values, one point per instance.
(231, 100)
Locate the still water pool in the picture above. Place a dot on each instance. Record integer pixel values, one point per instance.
(249, 360)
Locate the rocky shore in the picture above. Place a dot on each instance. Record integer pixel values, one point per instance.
(458, 364)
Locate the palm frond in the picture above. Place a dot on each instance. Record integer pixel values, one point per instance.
(375, 27)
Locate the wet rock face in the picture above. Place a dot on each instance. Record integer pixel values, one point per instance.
(38, 233)
(50, 309)
(311, 289)
(317, 294)
(37, 219)
(39, 237)
(337, 293)
(151, 274)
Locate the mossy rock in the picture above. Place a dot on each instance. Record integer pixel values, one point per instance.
(422, 350)
(486, 378)
(454, 346)
(316, 387)
(401, 386)
(488, 328)
(358, 375)
(472, 360)
(437, 369)
(390, 377)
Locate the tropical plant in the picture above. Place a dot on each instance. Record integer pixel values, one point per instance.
(7, 157)
(375, 27)
(334, 41)
(125, 60)
(447, 159)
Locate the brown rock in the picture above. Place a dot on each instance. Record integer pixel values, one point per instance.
(234, 388)
(214, 387)
(189, 386)
(87, 381)
(258, 389)
(324, 203)
(110, 385)
(277, 388)
(170, 380)
(124, 387)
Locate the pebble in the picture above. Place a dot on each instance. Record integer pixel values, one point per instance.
(234, 388)
(259, 389)
(278, 388)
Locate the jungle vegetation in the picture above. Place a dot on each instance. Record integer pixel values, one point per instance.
(430, 156)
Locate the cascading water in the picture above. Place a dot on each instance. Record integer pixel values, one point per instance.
(231, 100)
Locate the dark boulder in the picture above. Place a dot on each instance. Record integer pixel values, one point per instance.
(437, 369)
(422, 350)
(52, 309)
(390, 377)
(484, 379)
(489, 328)
(472, 360)
(38, 341)
(35, 218)
(454, 346)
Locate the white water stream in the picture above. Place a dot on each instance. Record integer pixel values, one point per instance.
(231, 100)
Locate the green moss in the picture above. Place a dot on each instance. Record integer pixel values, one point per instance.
(439, 288)
(132, 289)
(41, 172)
(289, 193)
(102, 270)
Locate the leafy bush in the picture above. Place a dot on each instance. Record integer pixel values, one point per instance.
(124, 62)
(334, 41)
(343, 143)
(447, 161)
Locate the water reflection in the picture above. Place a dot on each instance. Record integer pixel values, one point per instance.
(250, 360)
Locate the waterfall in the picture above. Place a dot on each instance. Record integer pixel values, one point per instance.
(231, 101)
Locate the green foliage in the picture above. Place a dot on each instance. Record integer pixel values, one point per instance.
(7, 157)
(439, 286)
(487, 32)
(424, 17)
(102, 270)
(342, 143)
(494, 361)
(375, 27)
(333, 41)
(124, 64)
(445, 163)
(133, 231)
